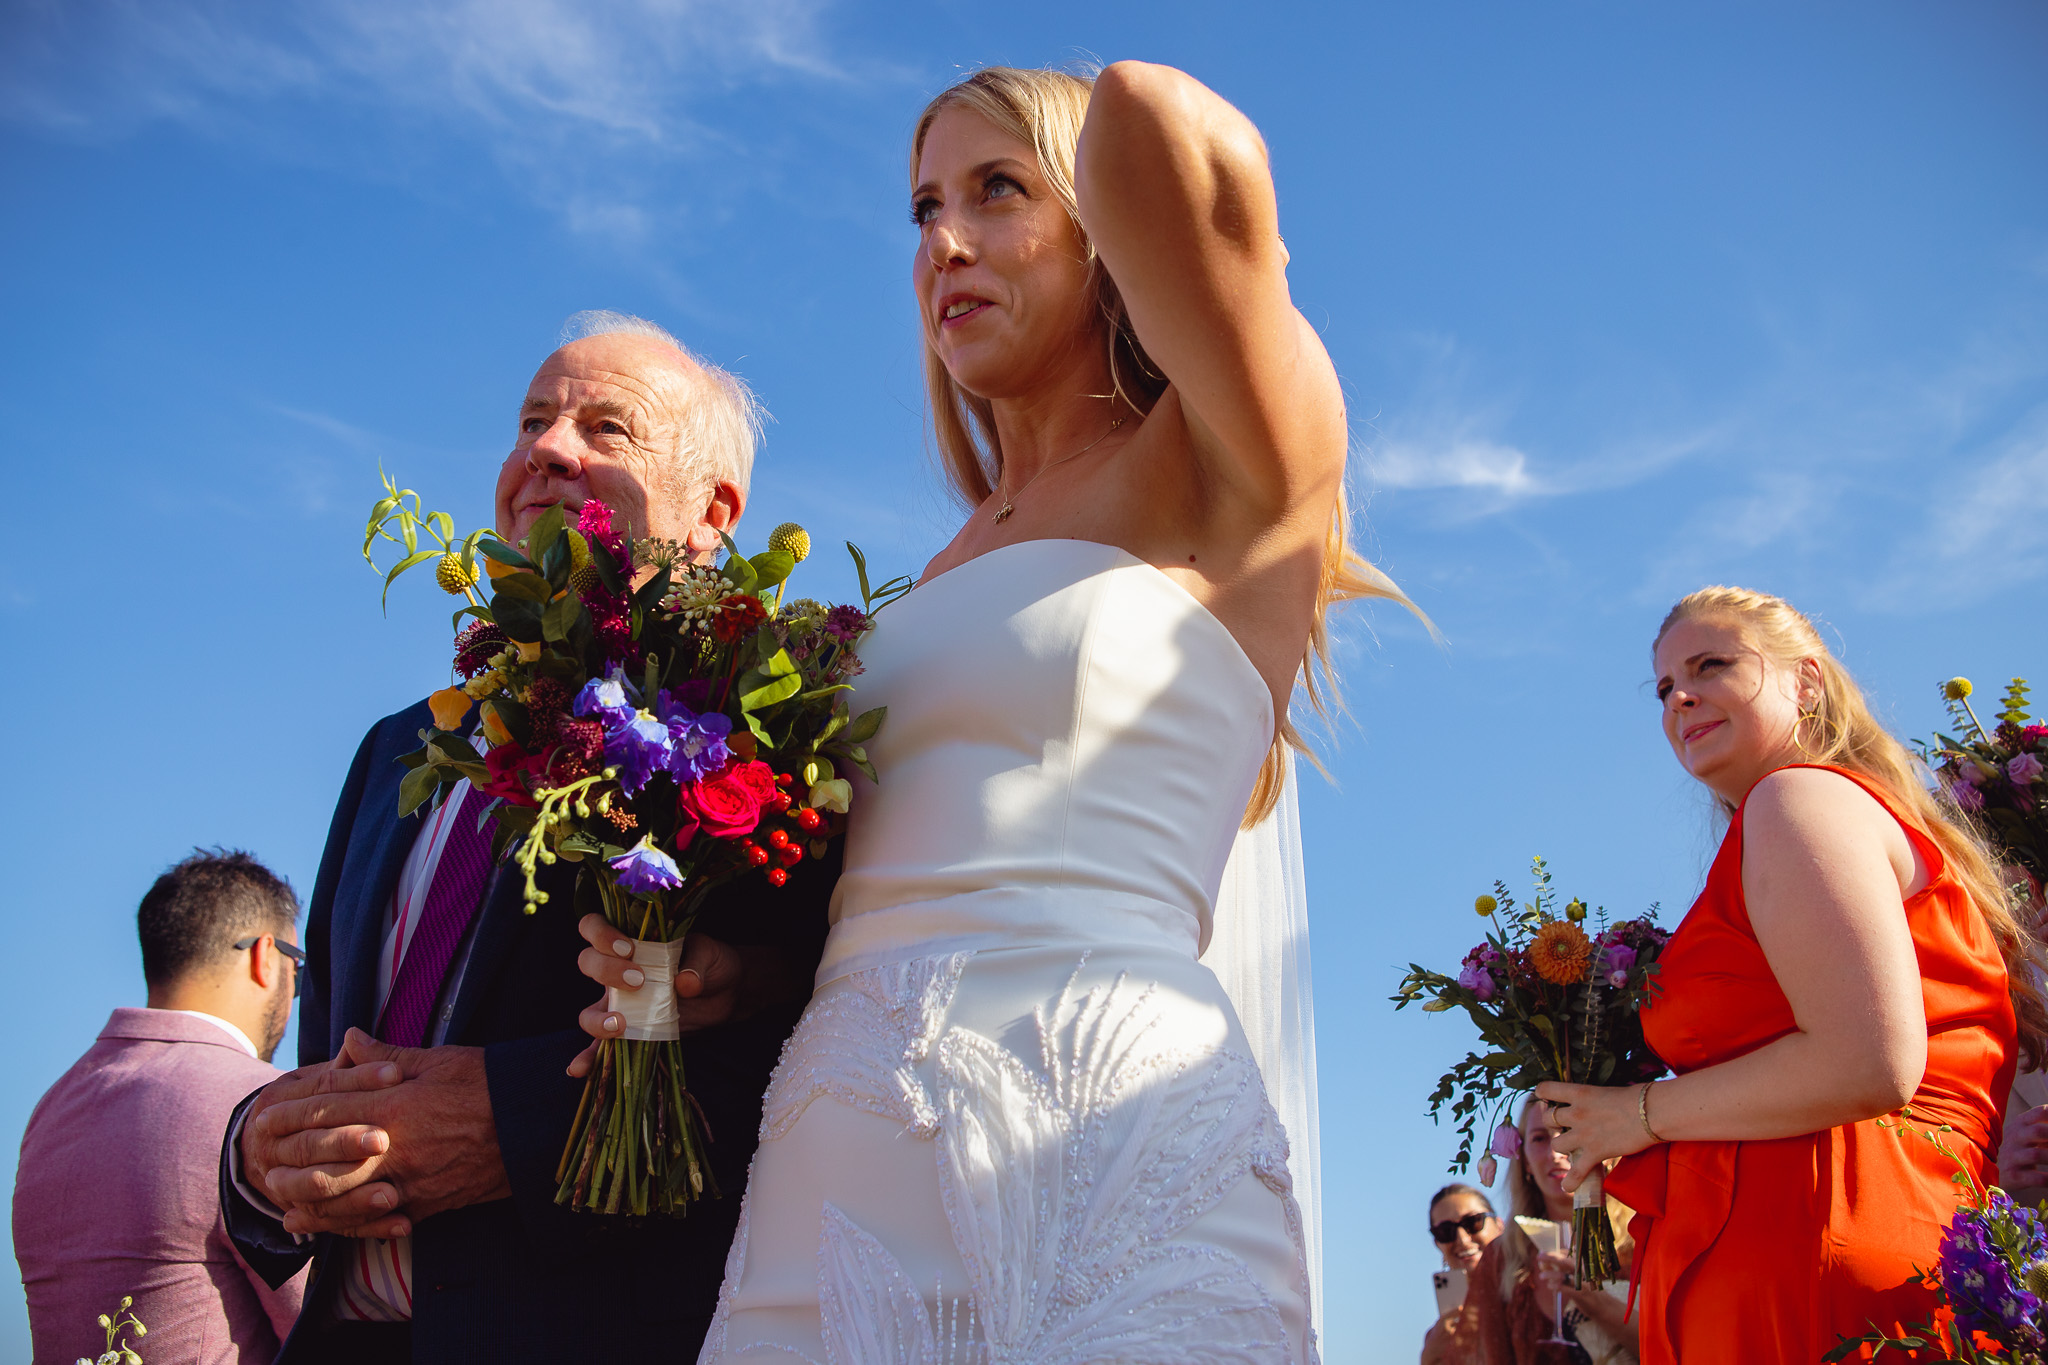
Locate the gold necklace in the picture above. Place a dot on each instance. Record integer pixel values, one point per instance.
(1010, 500)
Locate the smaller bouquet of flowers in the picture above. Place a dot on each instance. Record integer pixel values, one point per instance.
(1552, 1002)
(1999, 778)
(1991, 1283)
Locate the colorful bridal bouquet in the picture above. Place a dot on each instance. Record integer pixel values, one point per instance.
(1552, 1003)
(1999, 778)
(667, 727)
(1991, 1282)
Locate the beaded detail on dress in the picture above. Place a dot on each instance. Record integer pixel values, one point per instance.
(1066, 1180)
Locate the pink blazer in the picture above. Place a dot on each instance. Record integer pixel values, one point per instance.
(118, 1193)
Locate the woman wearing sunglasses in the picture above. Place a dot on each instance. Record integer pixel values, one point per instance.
(1463, 1222)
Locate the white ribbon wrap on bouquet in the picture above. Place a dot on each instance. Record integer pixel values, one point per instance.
(650, 1011)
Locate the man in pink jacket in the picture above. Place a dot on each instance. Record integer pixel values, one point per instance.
(118, 1188)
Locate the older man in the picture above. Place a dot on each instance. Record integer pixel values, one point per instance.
(418, 1166)
(115, 1192)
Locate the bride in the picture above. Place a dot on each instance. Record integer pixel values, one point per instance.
(1020, 1121)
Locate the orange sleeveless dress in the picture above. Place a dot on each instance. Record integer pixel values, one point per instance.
(1773, 1251)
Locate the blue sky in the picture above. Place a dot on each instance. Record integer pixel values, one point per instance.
(1626, 299)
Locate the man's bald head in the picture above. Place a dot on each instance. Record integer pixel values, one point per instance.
(625, 413)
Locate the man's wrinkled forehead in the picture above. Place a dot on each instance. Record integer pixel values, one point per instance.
(618, 374)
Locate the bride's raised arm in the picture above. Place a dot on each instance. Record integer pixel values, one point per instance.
(1176, 193)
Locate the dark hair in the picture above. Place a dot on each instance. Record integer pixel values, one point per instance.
(196, 911)
(1447, 1191)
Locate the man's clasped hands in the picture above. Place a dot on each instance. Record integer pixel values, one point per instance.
(380, 1137)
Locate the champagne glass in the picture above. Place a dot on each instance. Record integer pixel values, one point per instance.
(1557, 1337)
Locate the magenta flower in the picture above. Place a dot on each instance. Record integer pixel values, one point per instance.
(1618, 963)
(1476, 979)
(2023, 768)
(1506, 1142)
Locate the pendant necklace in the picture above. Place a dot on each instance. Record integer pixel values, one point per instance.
(1010, 500)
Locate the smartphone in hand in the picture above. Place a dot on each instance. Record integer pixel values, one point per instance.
(1450, 1291)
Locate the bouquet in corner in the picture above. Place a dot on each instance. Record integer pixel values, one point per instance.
(1998, 778)
(1552, 1003)
(1990, 1285)
(665, 726)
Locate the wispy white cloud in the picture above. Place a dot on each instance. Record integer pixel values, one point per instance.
(587, 104)
(1986, 526)
(1464, 462)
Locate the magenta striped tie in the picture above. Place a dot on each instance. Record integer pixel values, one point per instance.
(452, 902)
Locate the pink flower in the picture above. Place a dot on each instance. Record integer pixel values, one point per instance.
(1487, 1170)
(729, 804)
(1506, 1143)
(2023, 768)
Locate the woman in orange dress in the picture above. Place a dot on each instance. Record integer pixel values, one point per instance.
(1852, 954)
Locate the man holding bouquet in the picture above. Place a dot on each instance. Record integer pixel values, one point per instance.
(417, 1168)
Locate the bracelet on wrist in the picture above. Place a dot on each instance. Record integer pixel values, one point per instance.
(1643, 1110)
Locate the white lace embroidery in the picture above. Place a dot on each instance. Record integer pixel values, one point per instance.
(862, 1045)
(1065, 1186)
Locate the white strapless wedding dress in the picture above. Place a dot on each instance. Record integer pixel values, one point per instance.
(1020, 1121)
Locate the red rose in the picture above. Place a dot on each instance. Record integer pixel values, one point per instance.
(728, 804)
(506, 763)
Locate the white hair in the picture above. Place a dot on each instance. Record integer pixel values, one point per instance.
(717, 435)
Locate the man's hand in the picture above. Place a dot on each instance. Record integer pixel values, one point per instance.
(442, 1143)
(2022, 1160)
(715, 982)
(286, 1126)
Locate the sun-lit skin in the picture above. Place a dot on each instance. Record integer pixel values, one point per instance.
(1465, 1249)
(1000, 268)
(1730, 715)
(602, 419)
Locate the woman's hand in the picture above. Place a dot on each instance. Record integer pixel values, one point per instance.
(1601, 1123)
(2023, 1156)
(707, 984)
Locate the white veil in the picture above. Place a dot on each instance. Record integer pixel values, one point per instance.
(1258, 948)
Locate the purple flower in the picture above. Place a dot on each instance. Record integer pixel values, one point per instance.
(1966, 796)
(638, 747)
(1618, 963)
(2023, 768)
(1477, 975)
(845, 624)
(697, 742)
(1981, 1280)
(1506, 1143)
(607, 699)
(644, 868)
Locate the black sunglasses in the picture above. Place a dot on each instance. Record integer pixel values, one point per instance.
(1447, 1231)
(298, 957)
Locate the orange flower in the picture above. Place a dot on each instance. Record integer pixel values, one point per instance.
(1561, 952)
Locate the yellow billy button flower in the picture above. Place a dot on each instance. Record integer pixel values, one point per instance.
(454, 579)
(834, 794)
(792, 540)
(1486, 905)
(1955, 689)
(450, 705)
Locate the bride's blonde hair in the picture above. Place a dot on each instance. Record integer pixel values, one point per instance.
(1045, 109)
(1840, 730)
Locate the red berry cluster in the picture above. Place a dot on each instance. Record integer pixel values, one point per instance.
(782, 852)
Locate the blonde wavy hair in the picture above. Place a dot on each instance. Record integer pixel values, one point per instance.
(1840, 730)
(1045, 109)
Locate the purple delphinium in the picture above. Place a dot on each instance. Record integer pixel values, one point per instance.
(697, 742)
(1982, 1282)
(606, 699)
(639, 747)
(644, 868)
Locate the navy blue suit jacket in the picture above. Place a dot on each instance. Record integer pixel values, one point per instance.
(524, 1279)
